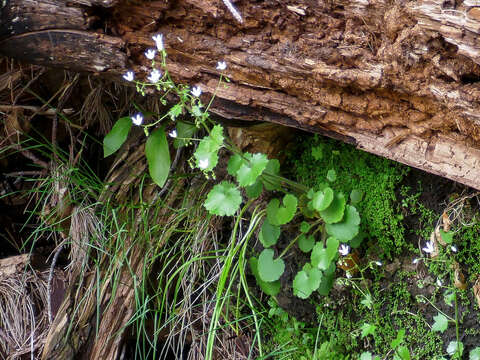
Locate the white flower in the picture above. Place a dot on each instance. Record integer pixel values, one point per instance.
(415, 261)
(173, 133)
(150, 54)
(154, 76)
(137, 119)
(429, 247)
(129, 76)
(344, 250)
(221, 65)
(379, 263)
(203, 164)
(196, 91)
(453, 248)
(439, 282)
(349, 276)
(158, 41)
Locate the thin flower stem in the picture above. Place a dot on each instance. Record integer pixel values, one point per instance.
(440, 311)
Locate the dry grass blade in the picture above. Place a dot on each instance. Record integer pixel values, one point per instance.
(23, 315)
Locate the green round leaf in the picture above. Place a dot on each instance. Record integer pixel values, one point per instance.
(455, 348)
(273, 167)
(268, 268)
(331, 269)
(280, 215)
(305, 243)
(269, 234)
(321, 199)
(319, 257)
(474, 354)
(440, 324)
(117, 136)
(348, 228)
(356, 196)
(334, 213)
(331, 175)
(332, 247)
(357, 240)
(306, 281)
(251, 169)
(269, 288)
(158, 156)
(223, 199)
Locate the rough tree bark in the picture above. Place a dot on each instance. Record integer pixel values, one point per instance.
(397, 78)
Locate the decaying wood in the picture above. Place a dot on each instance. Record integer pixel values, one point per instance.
(397, 79)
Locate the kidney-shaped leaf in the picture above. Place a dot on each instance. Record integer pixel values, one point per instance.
(158, 156)
(273, 168)
(305, 243)
(117, 136)
(348, 228)
(280, 215)
(321, 199)
(319, 257)
(334, 213)
(269, 234)
(270, 288)
(306, 281)
(268, 268)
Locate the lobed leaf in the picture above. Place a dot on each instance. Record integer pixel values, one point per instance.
(223, 199)
(280, 215)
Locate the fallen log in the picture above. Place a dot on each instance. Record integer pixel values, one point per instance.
(400, 81)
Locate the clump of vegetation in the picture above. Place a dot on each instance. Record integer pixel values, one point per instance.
(374, 178)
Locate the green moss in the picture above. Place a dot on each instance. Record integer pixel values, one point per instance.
(376, 177)
(395, 311)
(467, 240)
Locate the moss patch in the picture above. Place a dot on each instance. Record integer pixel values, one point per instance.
(376, 178)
